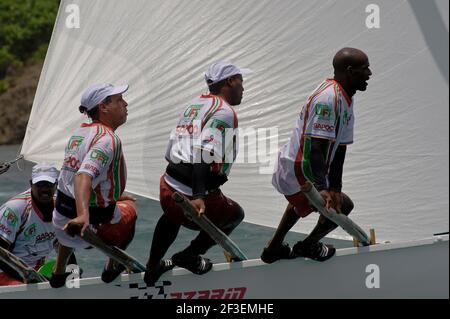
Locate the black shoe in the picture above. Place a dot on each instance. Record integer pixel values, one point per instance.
(284, 252)
(194, 263)
(318, 251)
(59, 280)
(109, 275)
(151, 276)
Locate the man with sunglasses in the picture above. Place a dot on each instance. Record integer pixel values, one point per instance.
(316, 153)
(26, 228)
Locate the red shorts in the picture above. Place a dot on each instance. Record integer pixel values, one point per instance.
(122, 233)
(301, 204)
(218, 208)
(6, 280)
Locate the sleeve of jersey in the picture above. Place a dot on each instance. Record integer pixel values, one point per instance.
(347, 136)
(216, 139)
(99, 158)
(321, 120)
(9, 221)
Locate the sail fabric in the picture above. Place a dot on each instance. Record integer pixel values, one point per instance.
(397, 170)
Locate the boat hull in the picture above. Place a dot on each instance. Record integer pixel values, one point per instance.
(416, 269)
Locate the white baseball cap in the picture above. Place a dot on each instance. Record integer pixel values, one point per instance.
(44, 172)
(222, 70)
(97, 93)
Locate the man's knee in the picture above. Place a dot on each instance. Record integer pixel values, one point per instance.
(128, 211)
(122, 233)
(235, 219)
(239, 215)
(347, 204)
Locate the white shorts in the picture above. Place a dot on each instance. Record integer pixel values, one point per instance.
(59, 221)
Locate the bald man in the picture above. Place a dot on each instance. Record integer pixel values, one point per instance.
(315, 152)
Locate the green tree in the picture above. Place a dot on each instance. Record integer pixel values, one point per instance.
(25, 30)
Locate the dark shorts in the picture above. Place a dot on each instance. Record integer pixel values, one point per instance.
(303, 208)
(301, 204)
(219, 209)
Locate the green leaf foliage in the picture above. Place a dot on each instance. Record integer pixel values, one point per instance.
(25, 29)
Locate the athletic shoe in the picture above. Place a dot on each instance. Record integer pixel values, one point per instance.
(318, 251)
(194, 263)
(59, 280)
(283, 252)
(152, 275)
(109, 275)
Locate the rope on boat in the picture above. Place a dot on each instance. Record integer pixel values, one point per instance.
(6, 165)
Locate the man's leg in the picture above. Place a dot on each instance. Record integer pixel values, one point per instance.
(223, 212)
(164, 235)
(59, 274)
(127, 223)
(325, 226)
(62, 258)
(120, 234)
(289, 219)
(203, 242)
(277, 249)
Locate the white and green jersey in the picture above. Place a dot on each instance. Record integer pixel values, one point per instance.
(327, 114)
(95, 149)
(22, 225)
(208, 124)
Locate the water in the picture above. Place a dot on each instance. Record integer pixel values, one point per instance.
(250, 238)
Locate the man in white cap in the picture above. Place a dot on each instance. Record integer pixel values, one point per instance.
(200, 154)
(92, 182)
(26, 228)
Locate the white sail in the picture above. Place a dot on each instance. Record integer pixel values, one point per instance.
(397, 170)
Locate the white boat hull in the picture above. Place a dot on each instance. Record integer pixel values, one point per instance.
(418, 269)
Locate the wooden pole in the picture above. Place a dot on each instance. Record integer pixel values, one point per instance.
(372, 237)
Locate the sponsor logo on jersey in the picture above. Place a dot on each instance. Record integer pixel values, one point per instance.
(74, 143)
(209, 140)
(30, 231)
(45, 237)
(323, 127)
(99, 156)
(347, 117)
(187, 129)
(192, 111)
(220, 125)
(92, 168)
(71, 163)
(322, 111)
(5, 230)
(10, 216)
